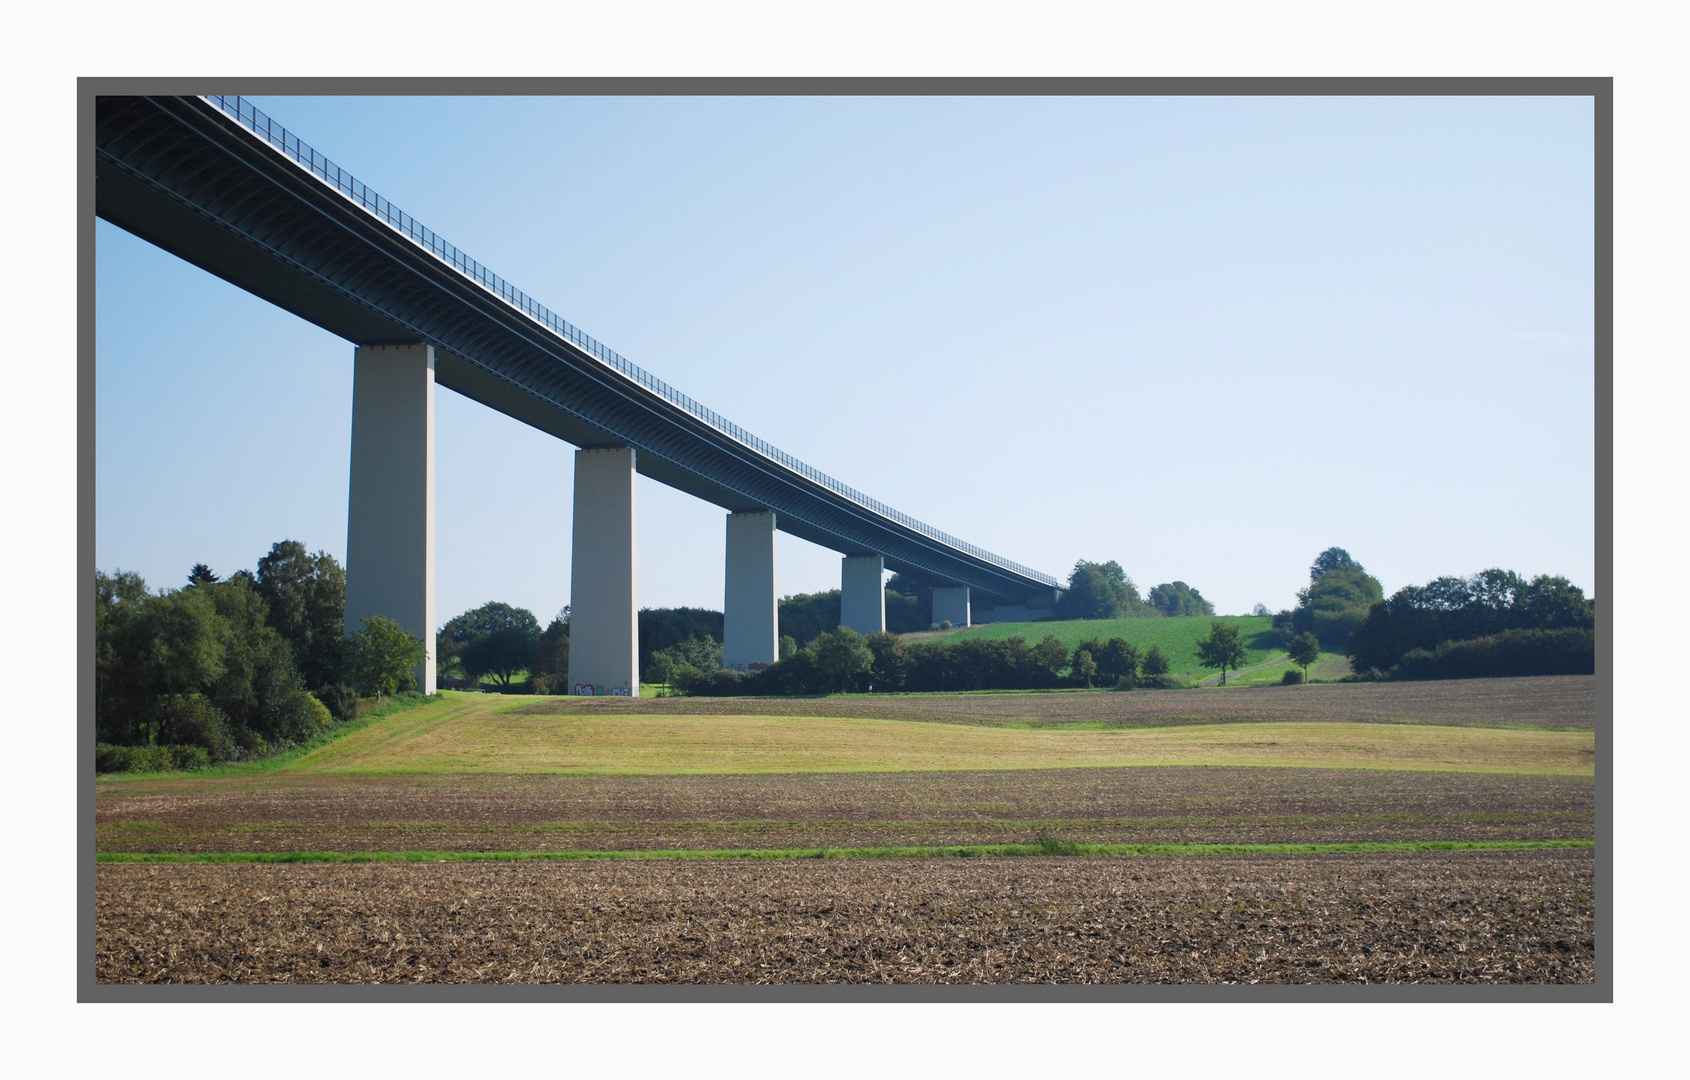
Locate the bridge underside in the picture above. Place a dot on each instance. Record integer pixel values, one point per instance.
(181, 174)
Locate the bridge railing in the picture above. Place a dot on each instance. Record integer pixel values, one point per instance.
(297, 151)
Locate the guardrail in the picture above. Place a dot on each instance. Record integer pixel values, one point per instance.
(343, 182)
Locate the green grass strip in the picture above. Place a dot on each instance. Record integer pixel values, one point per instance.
(959, 852)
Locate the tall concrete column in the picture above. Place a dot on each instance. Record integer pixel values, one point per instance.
(862, 599)
(750, 620)
(604, 630)
(390, 512)
(951, 604)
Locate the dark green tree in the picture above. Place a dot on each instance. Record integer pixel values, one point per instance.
(1117, 659)
(1333, 558)
(1083, 666)
(842, 655)
(504, 653)
(454, 639)
(1049, 657)
(1178, 598)
(1304, 650)
(384, 654)
(1224, 648)
(550, 664)
(1155, 663)
(1099, 591)
(201, 575)
(306, 594)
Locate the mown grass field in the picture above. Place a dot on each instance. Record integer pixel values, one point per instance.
(1177, 637)
(478, 734)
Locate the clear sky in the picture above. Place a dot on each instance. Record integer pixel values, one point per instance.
(1204, 337)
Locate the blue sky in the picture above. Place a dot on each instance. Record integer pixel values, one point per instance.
(1204, 337)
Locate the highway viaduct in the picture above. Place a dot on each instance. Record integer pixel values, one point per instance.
(219, 184)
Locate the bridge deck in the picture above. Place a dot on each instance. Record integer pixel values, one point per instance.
(219, 184)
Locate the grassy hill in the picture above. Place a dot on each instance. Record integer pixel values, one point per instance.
(1178, 636)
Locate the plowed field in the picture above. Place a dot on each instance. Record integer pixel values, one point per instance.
(1469, 917)
(557, 813)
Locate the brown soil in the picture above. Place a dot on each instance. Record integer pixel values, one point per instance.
(1138, 805)
(1562, 701)
(1469, 917)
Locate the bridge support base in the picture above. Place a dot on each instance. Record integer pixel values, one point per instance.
(862, 588)
(750, 620)
(604, 631)
(951, 604)
(390, 506)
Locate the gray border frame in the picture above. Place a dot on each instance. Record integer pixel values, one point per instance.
(1601, 90)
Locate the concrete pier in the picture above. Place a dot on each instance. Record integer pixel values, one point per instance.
(951, 604)
(390, 511)
(750, 618)
(604, 632)
(862, 600)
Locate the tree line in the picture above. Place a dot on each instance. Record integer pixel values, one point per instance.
(223, 670)
(843, 661)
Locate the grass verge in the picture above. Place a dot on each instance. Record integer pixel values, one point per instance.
(276, 762)
(1045, 846)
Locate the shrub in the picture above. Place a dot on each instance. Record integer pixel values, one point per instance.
(1513, 652)
(191, 720)
(1292, 677)
(342, 700)
(115, 759)
(1125, 682)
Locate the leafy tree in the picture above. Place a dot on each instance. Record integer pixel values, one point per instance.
(453, 640)
(891, 661)
(1156, 663)
(842, 654)
(1260, 609)
(504, 652)
(909, 603)
(1083, 666)
(1100, 591)
(1305, 650)
(201, 575)
(196, 666)
(663, 628)
(550, 662)
(1049, 657)
(806, 616)
(384, 654)
(788, 646)
(1117, 659)
(306, 594)
(1178, 598)
(1453, 609)
(1224, 648)
(1339, 595)
(1333, 558)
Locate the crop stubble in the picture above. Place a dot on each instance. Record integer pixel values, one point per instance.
(555, 813)
(1467, 917)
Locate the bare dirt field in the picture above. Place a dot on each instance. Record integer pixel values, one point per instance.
(1561, 701)
(599, 813)
(1490, 917)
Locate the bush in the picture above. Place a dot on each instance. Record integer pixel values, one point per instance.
(341, 700)
(1125, 682)
(116, 759)
(191, 720)
(1292, 677)
(1512, 652)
